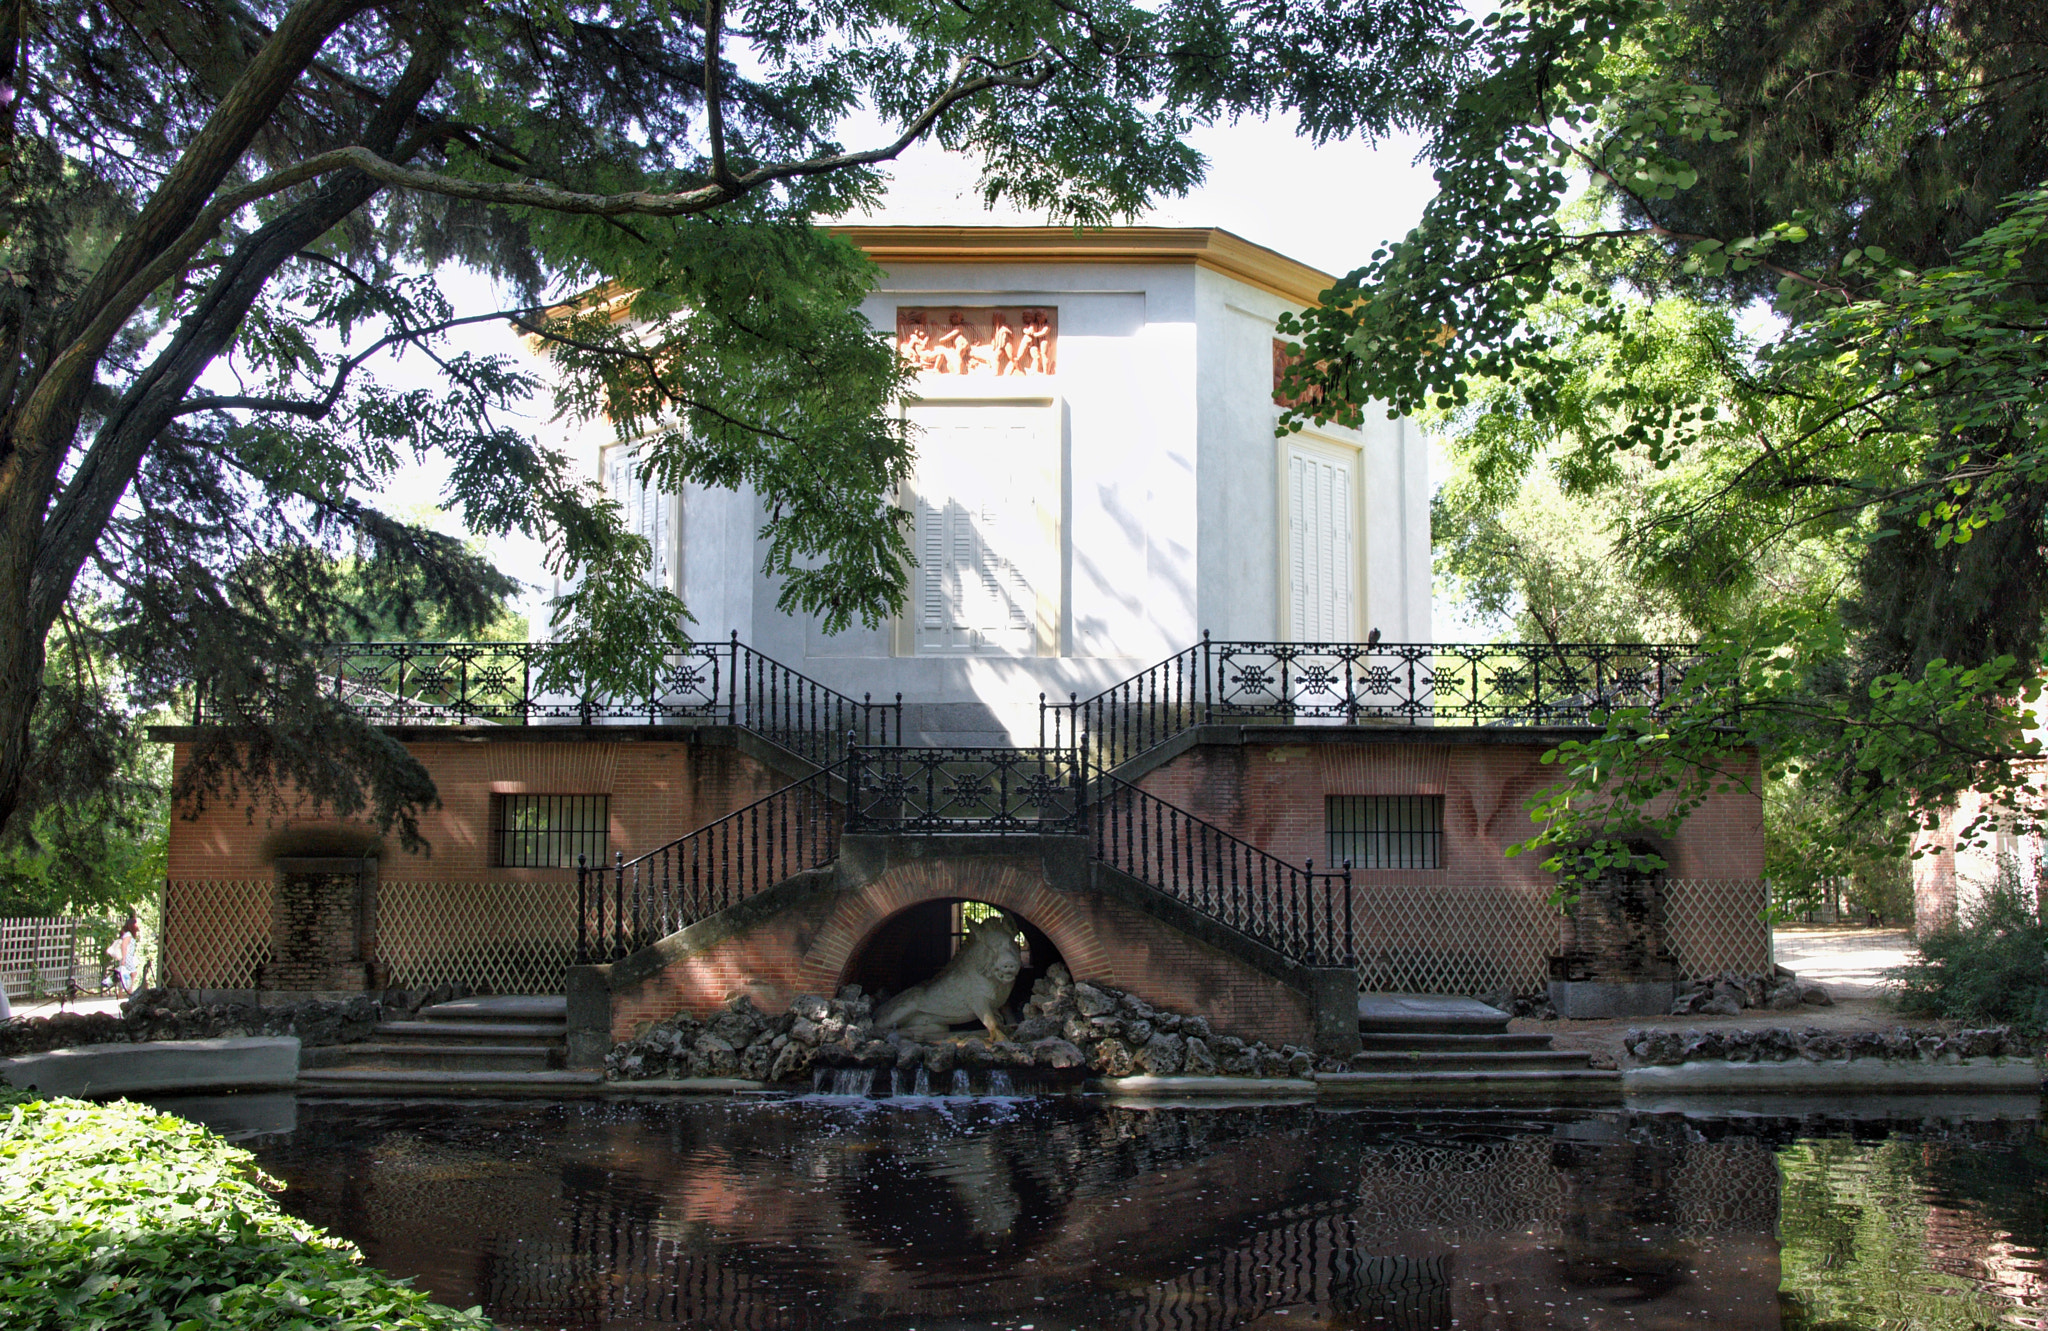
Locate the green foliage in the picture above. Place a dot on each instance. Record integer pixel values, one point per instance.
(1810, 856)
(1855, 1242)
(115, 1216)
(1851, 500)
(230, 216)
(1989, 965)
(96, 841)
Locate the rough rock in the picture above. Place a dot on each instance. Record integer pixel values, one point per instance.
(1057, 1054)
(1092, 1002)
(1113, 1059)
(1161, 1055)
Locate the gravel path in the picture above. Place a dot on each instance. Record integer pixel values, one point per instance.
(1850, 962)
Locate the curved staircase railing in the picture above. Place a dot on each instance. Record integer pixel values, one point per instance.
(1365, 683)
(1300, 913)
(627, 904)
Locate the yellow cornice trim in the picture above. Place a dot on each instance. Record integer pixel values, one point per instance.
(1205, 247)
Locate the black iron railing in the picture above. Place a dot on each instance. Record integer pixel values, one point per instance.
(456, 683)
(967, 790)
(627, 904)
(1501, 684)
(1293, 909)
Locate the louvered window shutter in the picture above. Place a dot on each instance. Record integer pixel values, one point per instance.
(1319, 546)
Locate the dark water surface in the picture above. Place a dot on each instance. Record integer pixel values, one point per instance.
(1059, 1213)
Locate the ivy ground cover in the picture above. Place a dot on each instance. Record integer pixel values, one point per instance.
(118, 1216)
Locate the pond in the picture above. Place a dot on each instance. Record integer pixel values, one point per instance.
(1054, 1213)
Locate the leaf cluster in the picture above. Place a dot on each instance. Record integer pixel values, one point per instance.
(119, 1216)
(1990, 965)
(1847, 498)
(220, 225)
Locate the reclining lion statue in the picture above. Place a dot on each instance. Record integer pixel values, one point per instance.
(973, 987)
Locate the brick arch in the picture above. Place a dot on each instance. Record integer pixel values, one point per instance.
(1017, 887)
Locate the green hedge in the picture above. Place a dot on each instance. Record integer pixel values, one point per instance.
(117, 1216)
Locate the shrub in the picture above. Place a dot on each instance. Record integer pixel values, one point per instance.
(119, 1216)
(1991, 966)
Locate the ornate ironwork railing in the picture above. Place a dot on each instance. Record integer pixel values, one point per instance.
(627, 904)
(1291, 908)
(1352, 683)
(455, 683)
(983, 790)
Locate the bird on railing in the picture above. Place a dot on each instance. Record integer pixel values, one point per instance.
(1372, 639)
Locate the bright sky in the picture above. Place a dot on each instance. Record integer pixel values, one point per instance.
(1327, 206)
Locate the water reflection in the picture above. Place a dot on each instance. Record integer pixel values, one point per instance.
(1059, 1213)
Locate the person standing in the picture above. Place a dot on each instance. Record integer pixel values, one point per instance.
(121, 953)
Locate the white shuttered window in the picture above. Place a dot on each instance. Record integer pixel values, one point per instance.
(647, 511)
(985, 527)
(1321, 549)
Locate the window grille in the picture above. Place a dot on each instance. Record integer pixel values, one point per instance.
(550, 831)
(1387, 831)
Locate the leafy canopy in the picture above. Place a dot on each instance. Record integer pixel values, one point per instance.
(1867, 174)
(221, 223)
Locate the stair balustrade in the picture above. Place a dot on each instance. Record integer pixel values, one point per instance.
(627, 904)
(1300, 913)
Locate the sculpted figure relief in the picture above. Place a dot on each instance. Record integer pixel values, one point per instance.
(973, 987)
(979, 339)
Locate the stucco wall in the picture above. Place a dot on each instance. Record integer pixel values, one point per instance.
(659, 789)
(1271, 792)
(1167, 506)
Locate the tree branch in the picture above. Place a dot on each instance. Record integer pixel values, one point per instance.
(714, 92)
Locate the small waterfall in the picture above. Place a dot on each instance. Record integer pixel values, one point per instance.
(888, 1083)
(843, 1081)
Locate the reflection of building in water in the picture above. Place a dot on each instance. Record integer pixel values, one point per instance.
(796, 1218)
(1522, 1231)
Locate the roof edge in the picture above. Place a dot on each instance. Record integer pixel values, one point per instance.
(1206, 247)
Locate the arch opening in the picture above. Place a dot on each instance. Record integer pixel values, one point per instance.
(915, 943)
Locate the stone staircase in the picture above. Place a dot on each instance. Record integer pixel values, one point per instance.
(1440, 1048)
(514, 1045)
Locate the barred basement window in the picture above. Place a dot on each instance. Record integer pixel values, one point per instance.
(1387, 831)
(549, 831)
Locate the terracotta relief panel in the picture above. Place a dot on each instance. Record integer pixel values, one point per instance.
(979, 339)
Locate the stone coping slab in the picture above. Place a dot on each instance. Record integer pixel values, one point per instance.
(692, 1086)
(263, 1062)
(1856, 1074)
(1428, 1013)
(1234, 1088)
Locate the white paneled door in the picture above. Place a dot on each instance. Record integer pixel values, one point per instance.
(1322, 547)
(986, 501)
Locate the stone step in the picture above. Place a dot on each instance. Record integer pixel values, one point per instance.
(392, 1081)
(1549, 1085)
(484, 1032)
(444, 1057)
(1391, 1041)
(1428, 1014)
(1478, 1060)
(502, 1007)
